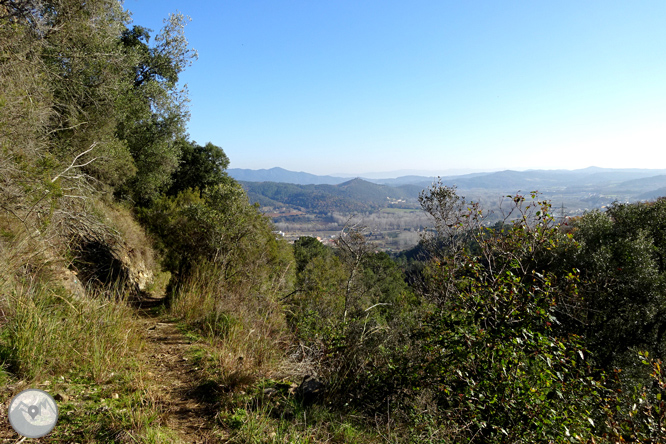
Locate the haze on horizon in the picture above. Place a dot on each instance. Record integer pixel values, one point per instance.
(356, 87)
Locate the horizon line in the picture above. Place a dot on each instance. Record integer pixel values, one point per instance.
(395, 174)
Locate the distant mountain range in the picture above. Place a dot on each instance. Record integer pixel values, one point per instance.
(591, 186)
(283, 176)
(592, 176)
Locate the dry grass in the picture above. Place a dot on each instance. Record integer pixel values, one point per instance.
(48, 331)
(249, 330)
(87, 346)
(245, 346)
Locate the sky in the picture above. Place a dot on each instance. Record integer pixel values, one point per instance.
(357, 86)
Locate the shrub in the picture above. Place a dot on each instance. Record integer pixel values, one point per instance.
(219, 226)
(488, 361)
(621, 258)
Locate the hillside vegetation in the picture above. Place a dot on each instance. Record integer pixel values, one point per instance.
(142, 289)
(356, 195)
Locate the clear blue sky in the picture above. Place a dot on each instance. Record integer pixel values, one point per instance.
(353, 86)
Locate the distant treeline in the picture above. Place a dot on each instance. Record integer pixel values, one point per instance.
(356, 195)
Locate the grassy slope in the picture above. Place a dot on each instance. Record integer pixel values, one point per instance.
(121, 374)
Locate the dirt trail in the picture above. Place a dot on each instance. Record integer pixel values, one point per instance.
(176, 377)
(172, 377)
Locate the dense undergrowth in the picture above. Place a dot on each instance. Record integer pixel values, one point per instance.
(530, 330)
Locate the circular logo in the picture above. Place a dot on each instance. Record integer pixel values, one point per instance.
(33, 413)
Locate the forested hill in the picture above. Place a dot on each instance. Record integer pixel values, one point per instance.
(351, 196)
(589, 179)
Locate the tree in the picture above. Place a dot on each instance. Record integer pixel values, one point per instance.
(65, 56)
(93, 83)
(200, 167)
(352, 249)
(306, 249)
(385, 288)
(85, 67)
(154, 109)
(62, 72)
(621, 258)
(218, 226)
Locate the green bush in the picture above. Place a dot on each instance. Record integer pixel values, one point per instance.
(637, 413)
(218, 225)
(495, 366)
(489, 361)
(621, 258)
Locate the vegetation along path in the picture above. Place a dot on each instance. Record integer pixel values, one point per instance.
(186, 413)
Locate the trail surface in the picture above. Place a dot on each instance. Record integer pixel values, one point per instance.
(176, 377)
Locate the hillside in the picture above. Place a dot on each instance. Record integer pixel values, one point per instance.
(105, 203)
(356, 195)
(277, 174)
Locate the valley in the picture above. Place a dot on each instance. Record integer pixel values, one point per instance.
(389, 209)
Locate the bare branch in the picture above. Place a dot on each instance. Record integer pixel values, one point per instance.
(380, 303)
(68, 128)
(73, 164)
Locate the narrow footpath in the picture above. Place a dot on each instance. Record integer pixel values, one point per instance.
(176, 377)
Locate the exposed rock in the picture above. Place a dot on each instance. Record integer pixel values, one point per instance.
(137, 271)
(112, 252)
(70, 280)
